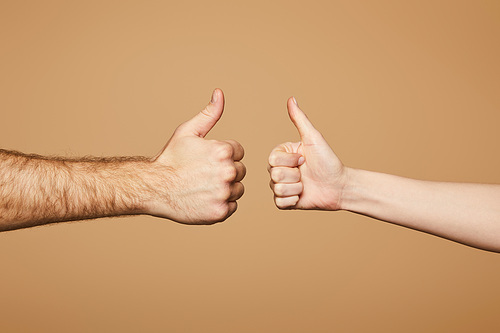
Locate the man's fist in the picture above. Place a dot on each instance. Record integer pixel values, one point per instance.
(306, 174)
(198, 181)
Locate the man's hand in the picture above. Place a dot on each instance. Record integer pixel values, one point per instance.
(202, 177)
(306, 174)
(193, 181)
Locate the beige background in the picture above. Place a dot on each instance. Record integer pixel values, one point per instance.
(404, 87)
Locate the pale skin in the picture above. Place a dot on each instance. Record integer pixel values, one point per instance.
(309, 175)
(192, 181)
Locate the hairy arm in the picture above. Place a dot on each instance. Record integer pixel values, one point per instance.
(191, 181)
(37, 190)
(308, 175)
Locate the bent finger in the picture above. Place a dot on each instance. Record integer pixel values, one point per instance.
(285, 175)
(279, 158)
(286, 190)
(233, 206)
(241, 171)
(237, 190)
(286, 202)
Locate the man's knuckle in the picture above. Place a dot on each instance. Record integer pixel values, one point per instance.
(224, 151)
(222, 194)
(226, 193)
(230, 173)
(220, 212)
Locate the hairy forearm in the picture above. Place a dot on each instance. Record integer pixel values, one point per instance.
(36, 190)
(466, 213)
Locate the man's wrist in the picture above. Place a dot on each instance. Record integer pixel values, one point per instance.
(138, 183)
(155, 188)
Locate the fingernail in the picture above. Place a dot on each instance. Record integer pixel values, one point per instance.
(295, 101)
(301, 160)
(214, 97)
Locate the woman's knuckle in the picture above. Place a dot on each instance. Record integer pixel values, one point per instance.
(279, 189)
(277, 174)
(273, 159)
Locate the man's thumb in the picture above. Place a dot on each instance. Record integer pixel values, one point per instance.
(302, 123)
(204, 121)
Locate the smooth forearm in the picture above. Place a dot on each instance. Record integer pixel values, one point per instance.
(36, 190)
(466, 213)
